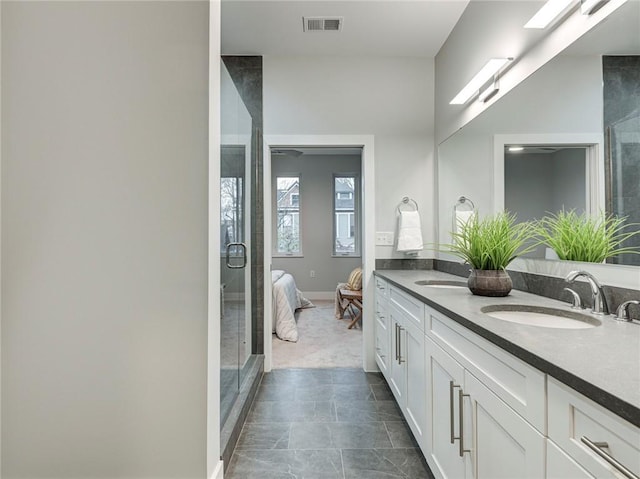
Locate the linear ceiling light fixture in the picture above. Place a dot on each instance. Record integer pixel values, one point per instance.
(488, 71)
(548, 13)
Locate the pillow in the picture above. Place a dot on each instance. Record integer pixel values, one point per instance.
(354, 283)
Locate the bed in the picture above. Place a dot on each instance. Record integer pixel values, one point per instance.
(286, 299)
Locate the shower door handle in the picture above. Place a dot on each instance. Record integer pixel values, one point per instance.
(244, 255)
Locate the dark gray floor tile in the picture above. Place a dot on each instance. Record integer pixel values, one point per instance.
(322, 392)
(276, 392)
(325, 464)
(382, 392)
(384, 463)
(368, 411)
(349, 392)
(264, 436)
(301, 377)
(349, 376)
(338, 435)
(401, 435)
(292, 411)
(375, 378)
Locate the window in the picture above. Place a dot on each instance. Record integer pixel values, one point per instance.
(288, 215)
(346, 231)
(231, 212)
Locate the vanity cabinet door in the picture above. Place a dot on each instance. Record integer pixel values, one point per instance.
(412, 350)
(397, 370)
(444, 380)
(501, 443)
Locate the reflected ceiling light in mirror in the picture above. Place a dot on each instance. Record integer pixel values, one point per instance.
(587, 7)
(515, 148)
(548, 13)
(492, 67)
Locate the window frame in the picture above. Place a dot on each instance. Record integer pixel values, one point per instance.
(275, 252)
(357, 237)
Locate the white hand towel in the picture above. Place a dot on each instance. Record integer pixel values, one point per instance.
(409, 231)
(461, 219)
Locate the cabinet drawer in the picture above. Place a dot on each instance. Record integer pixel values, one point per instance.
(382, 348)
(519, 385)
(381, 310)
(412, 309)
(574, 420)
(381, 288)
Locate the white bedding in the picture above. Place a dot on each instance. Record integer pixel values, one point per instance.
(286, 299)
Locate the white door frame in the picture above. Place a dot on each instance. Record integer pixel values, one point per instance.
(366, 142)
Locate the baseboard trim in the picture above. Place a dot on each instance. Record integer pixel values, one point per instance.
(319, 295)
(218, 472)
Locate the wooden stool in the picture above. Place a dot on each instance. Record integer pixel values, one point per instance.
(354, 305)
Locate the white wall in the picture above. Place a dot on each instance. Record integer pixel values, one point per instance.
(104, 239)
(316, 203)
(563, 97)
(391, 98)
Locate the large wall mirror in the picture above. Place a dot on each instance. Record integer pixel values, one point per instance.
(581, 144)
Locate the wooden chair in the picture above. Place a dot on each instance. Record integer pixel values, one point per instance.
(354, 304)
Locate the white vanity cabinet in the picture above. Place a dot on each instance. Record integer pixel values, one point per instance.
(381, 326)
(406, 363)
(597, 442)
(445, 377)
(473, 432)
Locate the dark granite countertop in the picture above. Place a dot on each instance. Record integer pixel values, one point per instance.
(603, 363)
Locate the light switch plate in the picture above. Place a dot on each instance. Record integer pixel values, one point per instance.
(384, 238)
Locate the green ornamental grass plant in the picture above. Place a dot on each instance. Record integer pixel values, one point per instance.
(577, 237)
(493, 242)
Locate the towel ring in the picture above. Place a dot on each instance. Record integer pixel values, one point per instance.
(463, 201)
(409, 202)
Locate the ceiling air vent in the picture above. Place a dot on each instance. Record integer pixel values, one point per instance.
(322, 24)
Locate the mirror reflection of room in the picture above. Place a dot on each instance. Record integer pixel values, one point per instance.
(586, 96)
(544, 179)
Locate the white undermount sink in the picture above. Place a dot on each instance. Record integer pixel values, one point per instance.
(540, 316)
(434, 283)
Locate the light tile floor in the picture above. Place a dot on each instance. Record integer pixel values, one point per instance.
(325, 423)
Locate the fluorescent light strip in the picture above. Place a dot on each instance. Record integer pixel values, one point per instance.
(489, 70)
(516, 148)
(548, 13)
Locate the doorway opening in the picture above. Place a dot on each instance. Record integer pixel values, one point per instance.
(319, 228)
(316, 233)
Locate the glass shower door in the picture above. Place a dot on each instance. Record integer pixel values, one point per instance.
(235, 275)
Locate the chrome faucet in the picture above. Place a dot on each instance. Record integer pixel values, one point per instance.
(597, 293)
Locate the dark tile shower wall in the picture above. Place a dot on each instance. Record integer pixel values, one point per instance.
(246, 73)
(621, 90)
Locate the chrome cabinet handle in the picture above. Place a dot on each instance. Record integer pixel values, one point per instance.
(400, 360)
(397, 336)
(461, 397)
(598, 447)
(452, 386)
